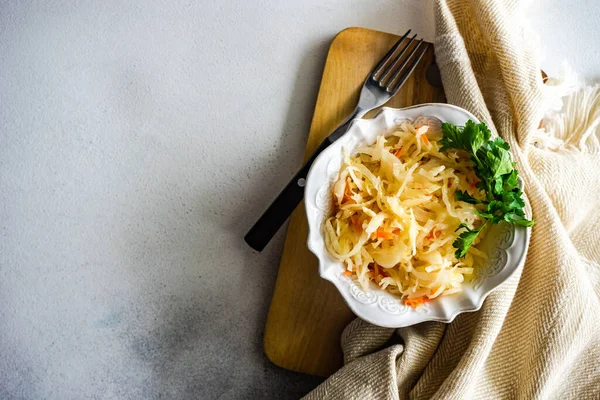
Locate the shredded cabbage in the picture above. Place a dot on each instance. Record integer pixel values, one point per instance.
(396, 214)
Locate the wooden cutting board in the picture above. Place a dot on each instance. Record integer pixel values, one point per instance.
(307, 314)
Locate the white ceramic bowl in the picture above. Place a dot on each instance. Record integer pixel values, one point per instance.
(505, 244)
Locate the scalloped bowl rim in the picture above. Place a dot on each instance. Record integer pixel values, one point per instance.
(376, 306)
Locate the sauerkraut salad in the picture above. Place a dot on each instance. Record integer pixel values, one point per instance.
(396, 214)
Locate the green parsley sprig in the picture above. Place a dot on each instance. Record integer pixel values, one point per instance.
(497, 178)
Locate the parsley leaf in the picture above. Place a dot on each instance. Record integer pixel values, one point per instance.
(474, 137)
(497, 178)
(467, 198)
(452, 134)
(498, 161)
(465, 240)
(511, 181)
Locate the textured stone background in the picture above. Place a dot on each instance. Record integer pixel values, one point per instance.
(139, 140)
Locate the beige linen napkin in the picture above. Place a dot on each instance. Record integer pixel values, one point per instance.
(538, 335)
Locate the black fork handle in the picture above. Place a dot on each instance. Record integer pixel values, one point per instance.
(269, 223)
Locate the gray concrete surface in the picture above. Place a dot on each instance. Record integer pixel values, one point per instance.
(138, 142)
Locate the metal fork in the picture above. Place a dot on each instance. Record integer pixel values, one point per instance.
(382, 83)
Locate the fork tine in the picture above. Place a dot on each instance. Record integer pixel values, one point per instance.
(411, 67)
(397, 59)
(389, 54)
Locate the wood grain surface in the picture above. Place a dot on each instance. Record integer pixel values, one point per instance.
(307, 314)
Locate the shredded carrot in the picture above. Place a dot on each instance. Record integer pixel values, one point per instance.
(348, 195)
(414, 303)
(433, 233)
(399, 152)
(425, 139)
(381, 234)
(356, 223)
(348, 273)
(396, 230)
